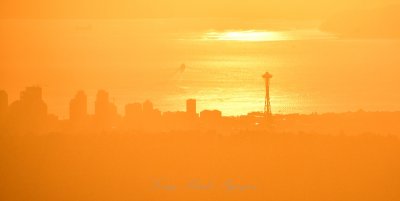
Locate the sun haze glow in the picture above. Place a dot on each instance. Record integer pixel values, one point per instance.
(249, 35)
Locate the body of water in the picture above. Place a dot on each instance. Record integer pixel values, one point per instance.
(135, 60)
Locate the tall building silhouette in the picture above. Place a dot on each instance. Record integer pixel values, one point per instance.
(102, 103)
(31, 99)
(30, 112)
(105, 111)
(191, 107)
(78, 107)
(151, 116)
(147, 107)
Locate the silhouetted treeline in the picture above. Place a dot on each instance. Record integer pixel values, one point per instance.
(188, 165)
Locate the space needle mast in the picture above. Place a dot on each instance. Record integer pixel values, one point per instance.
(267, 104)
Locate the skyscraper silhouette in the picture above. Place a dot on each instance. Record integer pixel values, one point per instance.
(33, 103)
(101, 109)
(78, 107)
(30, 112)
(191, 107)
(147, 107)
(151, 116)
(105, 111)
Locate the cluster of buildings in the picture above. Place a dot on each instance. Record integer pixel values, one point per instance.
(29, 114)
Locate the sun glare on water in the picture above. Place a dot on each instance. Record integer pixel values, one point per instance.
(250, 35)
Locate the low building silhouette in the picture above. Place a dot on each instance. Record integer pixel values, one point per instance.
(151, 116)
(210, 118)
(175, 120)
(210, 114)
(133, 116)
(133, 110)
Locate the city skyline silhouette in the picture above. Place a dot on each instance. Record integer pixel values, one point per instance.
(211, 100)
(30, 114)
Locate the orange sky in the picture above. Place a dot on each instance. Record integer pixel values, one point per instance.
(293, 9)
(65, 46)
